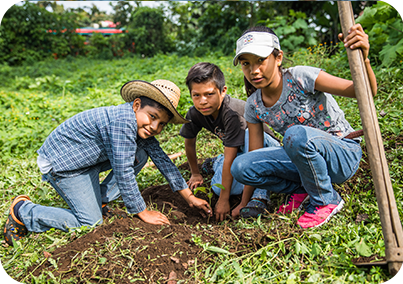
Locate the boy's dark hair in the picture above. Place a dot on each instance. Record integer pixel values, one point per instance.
(205, 72)
(248, 86)
(145, 101)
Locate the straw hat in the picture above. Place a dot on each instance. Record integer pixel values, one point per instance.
(162, 91)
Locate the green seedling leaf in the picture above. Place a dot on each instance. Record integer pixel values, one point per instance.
(220, 186)
(202, 189)
(217, 250)
(102, 260)
(363, 249)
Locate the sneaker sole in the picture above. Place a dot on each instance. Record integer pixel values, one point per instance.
(302, 203)
(299, 208)
(335, 210)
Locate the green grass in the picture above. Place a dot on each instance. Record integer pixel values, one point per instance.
(35, 99)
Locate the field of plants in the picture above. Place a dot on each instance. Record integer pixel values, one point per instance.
(36, 98)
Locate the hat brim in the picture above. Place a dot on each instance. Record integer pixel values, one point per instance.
(255, 50)
(138, 88)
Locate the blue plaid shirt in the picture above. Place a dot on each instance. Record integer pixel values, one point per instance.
(107, 133)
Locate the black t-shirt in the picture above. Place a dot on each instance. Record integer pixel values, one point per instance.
(229, 125)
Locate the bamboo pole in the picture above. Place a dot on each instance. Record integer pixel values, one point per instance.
(390, 221)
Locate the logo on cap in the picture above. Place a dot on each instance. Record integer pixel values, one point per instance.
(248, 39)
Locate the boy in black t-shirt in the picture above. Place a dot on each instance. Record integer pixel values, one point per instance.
(223, 116)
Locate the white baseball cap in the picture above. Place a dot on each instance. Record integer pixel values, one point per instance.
(260, 44)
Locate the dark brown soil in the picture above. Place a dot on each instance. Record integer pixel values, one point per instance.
(151, 252)
(128, 250)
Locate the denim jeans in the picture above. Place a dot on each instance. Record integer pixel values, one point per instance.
(237, 187)
(83, 194)
(310, 158)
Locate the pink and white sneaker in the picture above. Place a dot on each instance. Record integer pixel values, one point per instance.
(294, 202)
(320, 215)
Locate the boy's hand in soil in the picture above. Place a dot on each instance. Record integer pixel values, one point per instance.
(153, 217)
(193, 201)
(236, 211)
(195, 181)
(222, 209)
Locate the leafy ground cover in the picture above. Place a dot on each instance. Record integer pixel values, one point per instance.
(35, 99)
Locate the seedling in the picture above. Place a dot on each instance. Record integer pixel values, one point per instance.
(208, 191)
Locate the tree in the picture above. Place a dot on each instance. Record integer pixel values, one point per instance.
(31, 33)
(122, 12)
(147, 28)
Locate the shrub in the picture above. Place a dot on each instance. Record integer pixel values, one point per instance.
(31, 33)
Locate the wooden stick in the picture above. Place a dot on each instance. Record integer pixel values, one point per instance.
(390, 221)
(172, 157)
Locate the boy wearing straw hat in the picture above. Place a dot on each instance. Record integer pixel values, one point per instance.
(120, 138)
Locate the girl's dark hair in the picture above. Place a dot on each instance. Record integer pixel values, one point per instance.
(263, 29)
(146, 101)
(205, 72)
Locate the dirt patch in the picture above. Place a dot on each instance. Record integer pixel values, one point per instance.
(126, 250)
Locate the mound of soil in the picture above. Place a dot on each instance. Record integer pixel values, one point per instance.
(126, 250)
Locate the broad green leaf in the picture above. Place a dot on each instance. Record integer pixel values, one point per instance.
(315, 250)
(238, 269)
(316, 237)
(301, 248)
(314, 278)
(282, 247)
(220, 186)
(389, 53)
(292, 278)
(53, 262)
(363, 249)
(202, 189)
(300, 24)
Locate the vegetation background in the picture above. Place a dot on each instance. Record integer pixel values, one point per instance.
(49, 77)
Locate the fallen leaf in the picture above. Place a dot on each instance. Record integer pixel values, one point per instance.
(172, 278)
(174, 259)
(46, 254)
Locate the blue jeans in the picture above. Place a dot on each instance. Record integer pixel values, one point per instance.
(237, 187)
(83, 194)
(310, 158)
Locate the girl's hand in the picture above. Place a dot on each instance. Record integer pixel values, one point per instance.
(356, 38)
(153, 217)
(200, 204)
(195, 181)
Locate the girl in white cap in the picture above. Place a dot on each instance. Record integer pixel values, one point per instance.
(318, 148)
